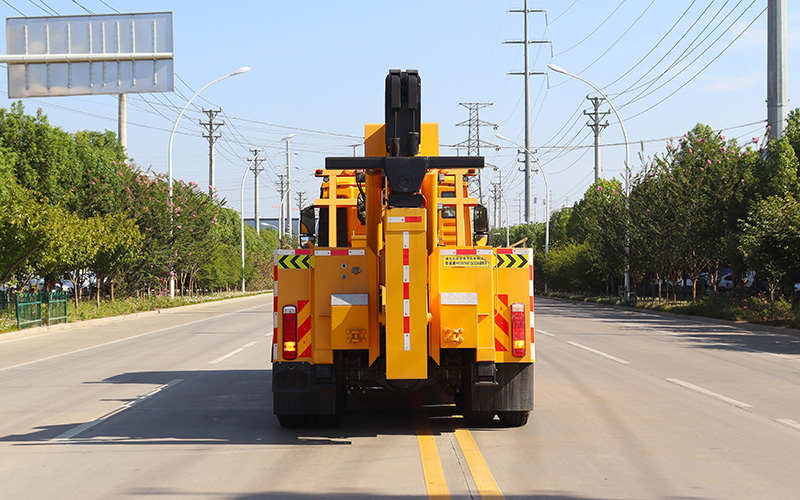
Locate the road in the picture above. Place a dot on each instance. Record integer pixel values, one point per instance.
(629, 405)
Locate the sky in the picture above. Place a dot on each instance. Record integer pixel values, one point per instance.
(318, 70)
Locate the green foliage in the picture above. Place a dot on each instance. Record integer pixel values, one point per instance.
(572, 266)
(73, 202)
(770, 239)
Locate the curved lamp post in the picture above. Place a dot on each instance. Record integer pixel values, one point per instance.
(241, 212)
(559, 69)
(239, 71)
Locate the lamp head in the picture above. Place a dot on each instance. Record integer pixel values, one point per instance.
(557, 69)
(241, 70)
(288, 137)
(501, 137)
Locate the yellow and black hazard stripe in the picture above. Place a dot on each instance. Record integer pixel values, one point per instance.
(295, 262)
(512, 260)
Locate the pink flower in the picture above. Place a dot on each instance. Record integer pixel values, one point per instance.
(709, 162)
(178, 226)
(599, 188)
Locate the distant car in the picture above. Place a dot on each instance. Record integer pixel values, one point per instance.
(725, 281)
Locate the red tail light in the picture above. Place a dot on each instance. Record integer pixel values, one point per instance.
(518, 330)
(289, 332)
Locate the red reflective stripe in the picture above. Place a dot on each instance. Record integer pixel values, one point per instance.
(406, 290)
(503, 297)
(501, 323)
(413, 218)
(303, 251)
(406, 258)
(466, 251)
(406, 324)
(504, 250)
(338, 252)
(498, 346)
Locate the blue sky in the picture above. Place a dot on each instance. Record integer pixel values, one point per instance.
(319, 67)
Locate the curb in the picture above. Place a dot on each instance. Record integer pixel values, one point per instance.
(40, 330)
(700, 319)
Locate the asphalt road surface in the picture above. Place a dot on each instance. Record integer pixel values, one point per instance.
(629, 405)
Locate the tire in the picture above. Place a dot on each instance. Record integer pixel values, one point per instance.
(292, 421)
(513, 418)
(329, 420)
(479, 417)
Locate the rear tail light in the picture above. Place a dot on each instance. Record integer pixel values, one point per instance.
(289, 332)
(518, 330)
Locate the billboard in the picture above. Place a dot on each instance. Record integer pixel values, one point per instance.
(96, 54)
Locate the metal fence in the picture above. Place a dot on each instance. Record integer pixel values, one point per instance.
(37, 308)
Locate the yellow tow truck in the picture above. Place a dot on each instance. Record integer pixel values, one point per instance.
(394, 286)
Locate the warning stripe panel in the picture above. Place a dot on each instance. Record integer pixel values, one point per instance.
(303, 331)
(512, 260)
(295, 262)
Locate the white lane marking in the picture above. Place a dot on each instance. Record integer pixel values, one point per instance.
(119, 340)
(790, 423)
(223, 358)
(545, 333)
(94, 423)
(600, 353)
(234, 353)
(784, 356)
(695, 388)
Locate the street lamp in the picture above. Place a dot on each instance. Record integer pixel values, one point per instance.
(546, 188)
(241, 212)
(559, 69)
(239, 71)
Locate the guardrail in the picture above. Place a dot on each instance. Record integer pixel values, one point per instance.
(36, 308)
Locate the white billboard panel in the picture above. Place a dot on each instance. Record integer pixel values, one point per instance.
(97, 54)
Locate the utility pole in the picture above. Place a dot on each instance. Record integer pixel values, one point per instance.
(777, 68)
(597, 128)
(282, 191)
(212, 137)
(301, 200)
(256, 167)
(122, 121)
(526, 73)
(474, 142)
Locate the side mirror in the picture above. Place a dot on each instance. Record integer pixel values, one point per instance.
(308, 221)
(480, 220)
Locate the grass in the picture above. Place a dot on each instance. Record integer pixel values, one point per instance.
(756, 310)
(121, 306)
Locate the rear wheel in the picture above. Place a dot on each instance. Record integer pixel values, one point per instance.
(513, 418)
(292, 421)
(479, 417)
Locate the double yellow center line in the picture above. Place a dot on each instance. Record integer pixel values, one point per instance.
(432, 470)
